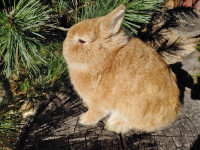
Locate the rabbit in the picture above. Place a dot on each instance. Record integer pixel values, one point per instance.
(119, 77)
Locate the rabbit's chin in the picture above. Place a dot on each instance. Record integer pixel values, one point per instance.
(78, 66)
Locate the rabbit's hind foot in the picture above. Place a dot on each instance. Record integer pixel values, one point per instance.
(117, 123)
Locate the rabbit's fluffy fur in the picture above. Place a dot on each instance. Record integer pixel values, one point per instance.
(119, 77)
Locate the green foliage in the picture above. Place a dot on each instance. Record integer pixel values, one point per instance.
(10, 123)
(24, 86)
(19, 37)
(34, 88)
(198, 46)
(137, 11)
(56, 68)
(50, 78)
(60, 6)
(65, 9)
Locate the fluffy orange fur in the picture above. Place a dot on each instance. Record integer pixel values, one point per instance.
(119, 77)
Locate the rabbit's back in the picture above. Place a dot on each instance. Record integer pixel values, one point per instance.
(139, 84)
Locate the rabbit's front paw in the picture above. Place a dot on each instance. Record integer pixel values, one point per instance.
(91, 117)
(86, 120)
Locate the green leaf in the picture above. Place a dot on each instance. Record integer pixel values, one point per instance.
(198, 46)
(2, 15)
(24, 86)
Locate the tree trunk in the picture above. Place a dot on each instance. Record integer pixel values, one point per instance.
(56, 127)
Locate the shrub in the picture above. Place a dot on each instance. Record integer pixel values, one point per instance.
(20, 38)
(137, 12)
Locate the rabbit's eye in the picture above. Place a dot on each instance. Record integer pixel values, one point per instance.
(81, 41)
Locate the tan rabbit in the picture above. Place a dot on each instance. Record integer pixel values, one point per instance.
(119, 77)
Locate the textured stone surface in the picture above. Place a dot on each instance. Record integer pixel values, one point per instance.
(191, 64)
(173, 33)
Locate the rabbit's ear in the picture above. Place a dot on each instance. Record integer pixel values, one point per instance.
(113, 20)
